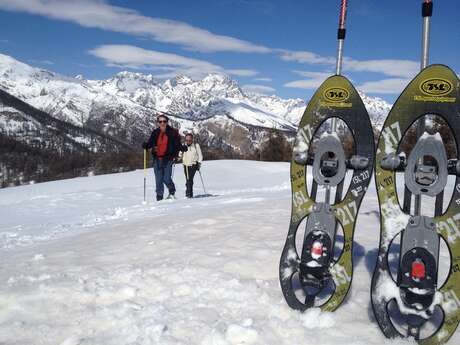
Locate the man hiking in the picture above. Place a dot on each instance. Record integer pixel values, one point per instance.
(165, 144)
(191, 160)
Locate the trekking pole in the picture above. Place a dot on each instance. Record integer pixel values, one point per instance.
(201, 177)
(427, 11)
(145, 174)
(338, 71)
(341, 37)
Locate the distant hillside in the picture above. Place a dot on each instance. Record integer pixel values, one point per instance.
(34, 146)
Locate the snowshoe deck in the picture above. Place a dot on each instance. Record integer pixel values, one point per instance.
(435, 90)
(336, 97)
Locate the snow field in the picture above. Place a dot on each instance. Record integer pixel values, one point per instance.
(84, 262)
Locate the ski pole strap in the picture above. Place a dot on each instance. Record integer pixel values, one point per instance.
(427, 8)
(342, 18)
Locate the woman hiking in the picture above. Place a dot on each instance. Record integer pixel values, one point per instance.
(191, 159)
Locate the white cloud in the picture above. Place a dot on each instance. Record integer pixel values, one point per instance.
(307, 84)
(389, 67)
(243, 72)
(263, 79)
(385, 86)
(254, 88)
(4, 41)
(100, 14)
(136, 57)
(306, 57)
(315, 79)
(126, 56)
(313, 75)
(43, 62)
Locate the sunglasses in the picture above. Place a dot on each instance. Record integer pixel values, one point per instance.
(162, 121)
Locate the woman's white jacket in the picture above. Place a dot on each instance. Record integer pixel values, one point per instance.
(193, 155)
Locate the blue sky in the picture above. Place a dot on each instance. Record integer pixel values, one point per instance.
(284, 47)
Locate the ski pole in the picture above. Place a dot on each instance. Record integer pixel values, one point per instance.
(427, 11)
(341, 31)
(338, 70)
(341, 39)
(145, 174)
(201, 177)
(341, 36)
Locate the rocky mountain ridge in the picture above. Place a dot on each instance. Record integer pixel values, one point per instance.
(124, 105)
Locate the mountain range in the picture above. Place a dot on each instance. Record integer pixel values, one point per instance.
(123, 108)
(124, 105)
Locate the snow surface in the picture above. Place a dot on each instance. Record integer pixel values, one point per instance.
(83, 261)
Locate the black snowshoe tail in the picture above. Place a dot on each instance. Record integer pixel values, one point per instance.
(314, 270)
(434, 91)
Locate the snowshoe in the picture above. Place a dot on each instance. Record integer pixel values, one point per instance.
(312, 276)
(407, 299)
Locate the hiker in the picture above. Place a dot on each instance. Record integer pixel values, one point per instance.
(165, 144)
(191, 159)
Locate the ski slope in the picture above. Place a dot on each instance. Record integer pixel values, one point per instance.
(83, 261)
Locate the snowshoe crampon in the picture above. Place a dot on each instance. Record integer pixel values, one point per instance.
(413, 175)
(317, 272)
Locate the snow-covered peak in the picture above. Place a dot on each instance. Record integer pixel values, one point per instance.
(176, 81)
(221, 85)
(182, 79)
(9, 62)
(128, 94)
(128, 82)
(377, 108)
(147, 79)
(15, 73)
(216, 78)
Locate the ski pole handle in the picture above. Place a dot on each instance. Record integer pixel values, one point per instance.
(342, 18)
(427, 8)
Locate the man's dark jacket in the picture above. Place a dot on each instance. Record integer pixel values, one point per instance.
(174, 144)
